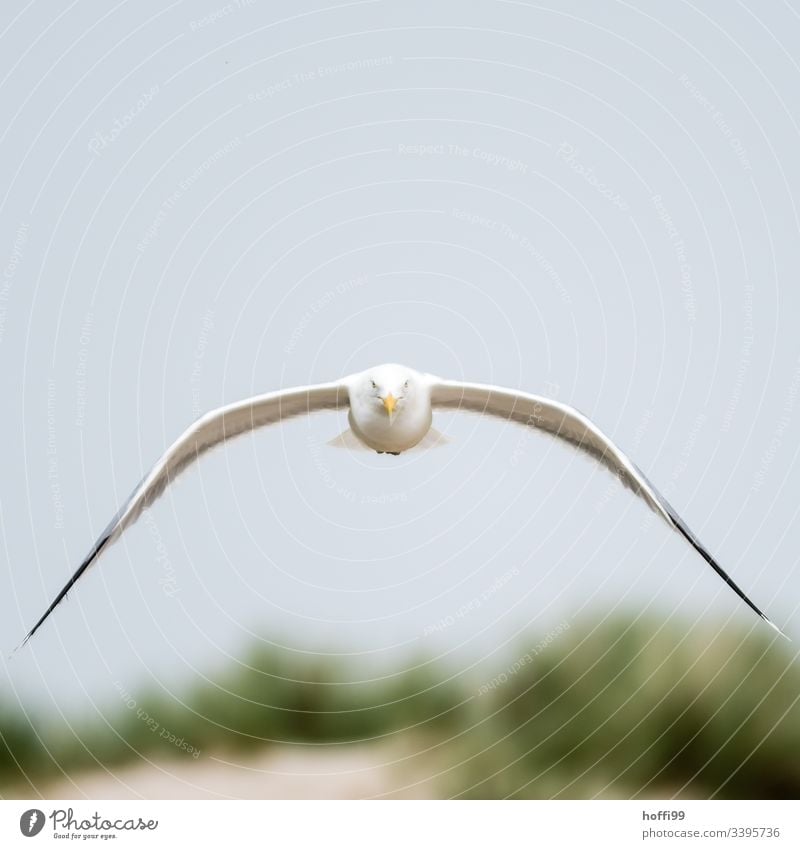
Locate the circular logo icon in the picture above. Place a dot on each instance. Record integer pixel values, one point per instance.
(31, 822)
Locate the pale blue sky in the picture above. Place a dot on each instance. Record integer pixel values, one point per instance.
(202, 202)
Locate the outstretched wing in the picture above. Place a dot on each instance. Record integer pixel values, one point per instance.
(567, 423)
(210, 430)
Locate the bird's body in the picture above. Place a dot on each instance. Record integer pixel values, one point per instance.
(390, 410)
(398, 430)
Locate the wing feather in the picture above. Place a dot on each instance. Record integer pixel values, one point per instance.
(211, 430)
(567, 423)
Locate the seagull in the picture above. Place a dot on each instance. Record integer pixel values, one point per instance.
(390, 410)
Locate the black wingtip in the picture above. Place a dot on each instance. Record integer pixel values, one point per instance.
(58, 599)
(706, 555)
(25, 641)
(111, 529)
(41, 621)
(776, 628)
(87, 562)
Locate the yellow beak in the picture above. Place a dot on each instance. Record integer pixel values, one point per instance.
(390, 402)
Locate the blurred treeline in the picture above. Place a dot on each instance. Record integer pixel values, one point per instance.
(616, 709)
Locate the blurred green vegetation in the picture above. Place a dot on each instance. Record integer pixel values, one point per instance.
(616, 709)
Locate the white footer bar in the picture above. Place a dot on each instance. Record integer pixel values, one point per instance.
(493, 824)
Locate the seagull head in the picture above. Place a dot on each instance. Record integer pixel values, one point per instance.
(390, 407)
(390, 388)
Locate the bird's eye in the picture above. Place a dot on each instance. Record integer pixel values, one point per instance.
(405, 385)
(374, 385)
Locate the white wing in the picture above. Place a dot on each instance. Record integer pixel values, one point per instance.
(210, 430)
(567, 423)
